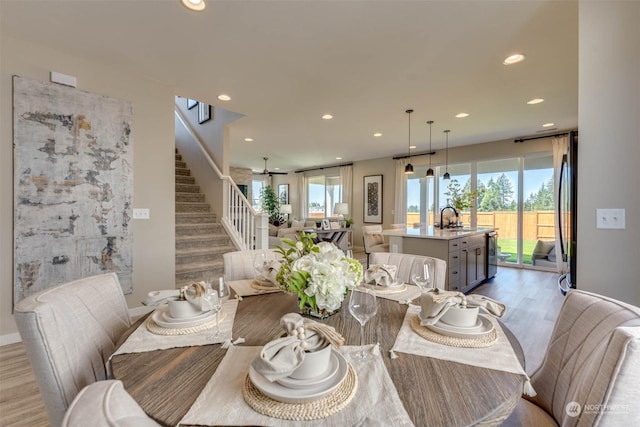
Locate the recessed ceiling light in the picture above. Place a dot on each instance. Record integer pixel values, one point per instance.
(548, 125)
(327, 117)
(338, 158)
(461, 115)
(223, 97)
(535, 101)
(197, 5)
(412, 146)
(513, 59)
(249, 139)
(377, 134)
(277, 169)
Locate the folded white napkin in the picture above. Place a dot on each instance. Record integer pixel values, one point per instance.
(381, 274)
(280, 357)
(269, 272)
(436, 302)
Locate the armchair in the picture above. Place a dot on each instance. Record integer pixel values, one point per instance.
(373, 240)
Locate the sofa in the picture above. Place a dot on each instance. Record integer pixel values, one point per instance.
(289, 230)
(544, 254)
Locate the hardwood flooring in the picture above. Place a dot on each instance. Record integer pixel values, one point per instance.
(532, 299)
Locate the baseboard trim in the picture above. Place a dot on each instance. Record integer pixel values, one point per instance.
(10, 338)
(15, 337)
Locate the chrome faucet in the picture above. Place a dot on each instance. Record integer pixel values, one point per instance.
(445, 208)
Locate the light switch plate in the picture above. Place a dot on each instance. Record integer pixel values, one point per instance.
(610, 219)
(139, 213)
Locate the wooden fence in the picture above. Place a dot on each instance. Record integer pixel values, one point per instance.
(536, 224)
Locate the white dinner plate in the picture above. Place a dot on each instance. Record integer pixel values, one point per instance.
(281, 393)
(475, 327)
(166, 316)
(158, 317)
(332, 369)
(453, 331)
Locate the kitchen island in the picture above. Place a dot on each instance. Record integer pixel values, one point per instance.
(464, 249)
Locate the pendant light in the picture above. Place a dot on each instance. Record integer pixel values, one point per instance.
(408, 170)
(446, 176)
(430, 171)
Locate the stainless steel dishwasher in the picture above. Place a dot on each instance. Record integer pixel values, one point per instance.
(492, 254)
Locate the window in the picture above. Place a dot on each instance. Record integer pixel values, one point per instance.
(323, 192)
(256, 191)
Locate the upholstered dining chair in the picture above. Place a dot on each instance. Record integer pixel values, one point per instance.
(591, 370)
(404, 263)
(238, 265)
(373, 240)
(69, 332)
(106, 404)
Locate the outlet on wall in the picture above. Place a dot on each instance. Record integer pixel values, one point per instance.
(139, 213)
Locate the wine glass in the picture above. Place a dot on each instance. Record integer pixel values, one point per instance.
(422, 274)
(362, 306)
(211, 296)
(223, 290)
(259, 262)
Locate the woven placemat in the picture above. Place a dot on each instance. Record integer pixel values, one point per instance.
(314, 410)
(484, 340)
(259, 287)
(153, 327)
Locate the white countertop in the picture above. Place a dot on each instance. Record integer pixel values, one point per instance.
(435, 233)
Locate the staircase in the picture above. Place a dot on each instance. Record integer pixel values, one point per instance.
(200, 240)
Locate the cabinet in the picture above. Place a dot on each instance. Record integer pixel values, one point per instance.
(465, 258)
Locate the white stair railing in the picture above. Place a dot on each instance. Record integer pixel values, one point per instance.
(246, 228)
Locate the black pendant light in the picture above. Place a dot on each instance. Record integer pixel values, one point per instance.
(446, 176)
(408, 170)
(430, 171)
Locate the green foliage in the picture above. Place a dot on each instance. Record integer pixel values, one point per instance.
(498, 196)
(270, 204)
(461, 198)
(542, 200)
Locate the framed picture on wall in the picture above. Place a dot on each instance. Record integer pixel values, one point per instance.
(373, 199)
(191, 103)
(204, 112)
(283, 193)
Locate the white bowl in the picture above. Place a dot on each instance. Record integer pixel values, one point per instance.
(181, 309)
(459, 316)
(315, 363)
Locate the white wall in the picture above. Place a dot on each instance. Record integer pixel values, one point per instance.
(153, 133)
(609, 146)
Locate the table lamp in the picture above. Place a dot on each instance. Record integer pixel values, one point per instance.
(341, 209)
(286, 209)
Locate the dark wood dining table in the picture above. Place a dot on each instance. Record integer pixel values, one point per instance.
(434, 392)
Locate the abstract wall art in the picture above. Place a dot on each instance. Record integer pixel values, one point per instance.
(73, 185)
(373, 199)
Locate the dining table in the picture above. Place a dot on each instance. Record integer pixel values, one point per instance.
(433, 391)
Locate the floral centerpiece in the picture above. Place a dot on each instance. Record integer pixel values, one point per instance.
(319, 274)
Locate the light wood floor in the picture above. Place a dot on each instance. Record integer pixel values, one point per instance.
(532, 299)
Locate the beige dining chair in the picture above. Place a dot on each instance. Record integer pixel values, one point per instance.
(69, 332)
(591, 370)
(106, 404)
(238, 265)
(373, 240)
(404, 263)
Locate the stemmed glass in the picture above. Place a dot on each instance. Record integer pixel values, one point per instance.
(362, 306)
(259, 261)
(223, 290)
(422, 274)
(211, 296)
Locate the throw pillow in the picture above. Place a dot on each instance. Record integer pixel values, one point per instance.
(297, 224)
(542, 248)
(552, 255)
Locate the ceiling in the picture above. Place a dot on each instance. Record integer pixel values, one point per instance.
(286, 63)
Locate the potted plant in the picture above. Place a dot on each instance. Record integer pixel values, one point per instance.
(270, 204)
(459, 198)
(319, 274)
